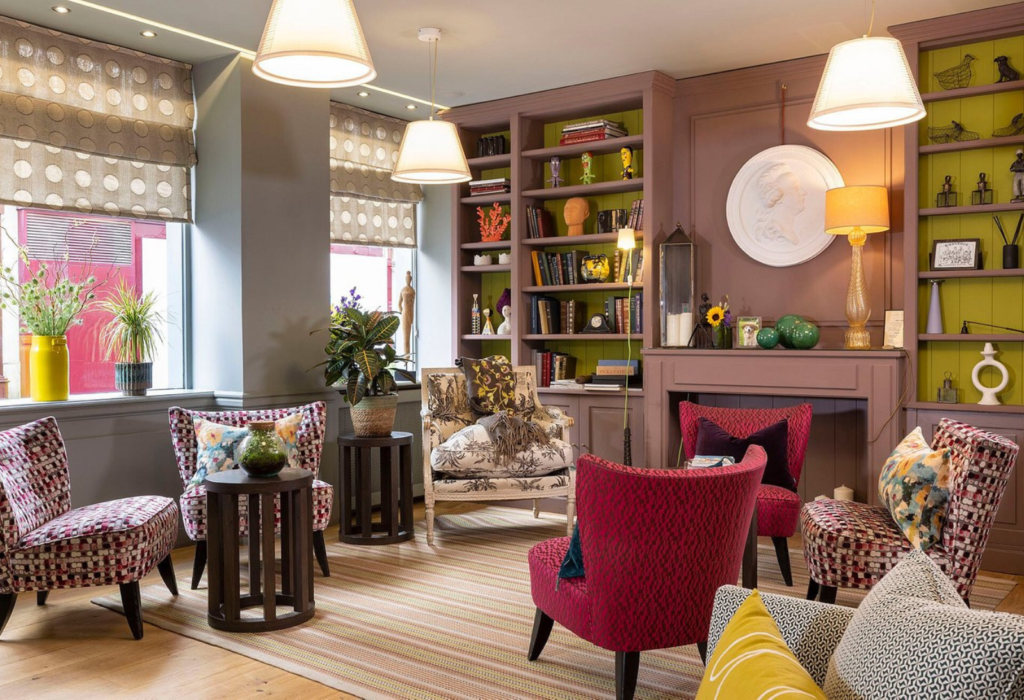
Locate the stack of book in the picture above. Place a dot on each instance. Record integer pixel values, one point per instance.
(635, 220)
(539, 223)
(557, 268)
(615, 309)
(616, 374)
(625, 265)
(497, 185)
(593, 130)
(550, 316)
(556, 368)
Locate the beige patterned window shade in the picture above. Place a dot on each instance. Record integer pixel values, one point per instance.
(367, 206)
(93, 128)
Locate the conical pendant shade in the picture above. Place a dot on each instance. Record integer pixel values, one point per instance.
(431, 154)
(314, 43)
(867, 84)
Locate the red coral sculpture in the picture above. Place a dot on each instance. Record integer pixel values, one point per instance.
(494, 224)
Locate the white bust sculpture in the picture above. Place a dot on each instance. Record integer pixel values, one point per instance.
(506, 326)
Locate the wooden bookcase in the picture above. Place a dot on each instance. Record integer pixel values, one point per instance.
(532, 125)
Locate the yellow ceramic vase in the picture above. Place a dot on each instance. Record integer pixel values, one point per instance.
(48, 368)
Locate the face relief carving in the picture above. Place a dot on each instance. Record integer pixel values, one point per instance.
(782, 201)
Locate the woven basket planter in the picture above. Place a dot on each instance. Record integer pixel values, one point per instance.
(133, 378)
(374, 416)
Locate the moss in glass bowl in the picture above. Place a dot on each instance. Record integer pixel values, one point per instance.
(262, 452)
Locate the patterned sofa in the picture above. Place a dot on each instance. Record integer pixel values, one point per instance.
(446, 411)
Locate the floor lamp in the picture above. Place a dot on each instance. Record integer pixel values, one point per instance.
(627, 243)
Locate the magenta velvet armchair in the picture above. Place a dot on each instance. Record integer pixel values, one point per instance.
(656, 545)
(778, 508)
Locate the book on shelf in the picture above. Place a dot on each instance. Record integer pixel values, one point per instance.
(539, 223)
(631, 381)
(554, 368)
(601, 387)
(635, 220)
(587, 136)
(572, 316)
(490, 181)
(556, 268)
(618, 368)
(499, 185)
(545, 315)
(626, 265)
(615, 309)
(591, 124)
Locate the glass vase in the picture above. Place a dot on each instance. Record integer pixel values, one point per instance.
(262, 452)
(722, 337)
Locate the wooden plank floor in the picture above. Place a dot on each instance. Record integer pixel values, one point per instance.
(70, 647)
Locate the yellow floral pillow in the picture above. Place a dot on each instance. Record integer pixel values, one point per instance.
(914, 486)
(752, 660)
(216, 445)
(490, 384)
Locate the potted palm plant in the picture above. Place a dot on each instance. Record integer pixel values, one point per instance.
(361, 359)
(131, 337)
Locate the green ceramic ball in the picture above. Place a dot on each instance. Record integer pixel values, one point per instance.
(804, 336)
(767, 338)
(785, 327)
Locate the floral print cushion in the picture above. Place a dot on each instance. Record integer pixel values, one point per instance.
(558, 480)
(216, 445)
(470, 453)
(447, 404)
(914, 486)
(490, 384)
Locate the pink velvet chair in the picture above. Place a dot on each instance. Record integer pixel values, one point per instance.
(778, 508)
(652, 564)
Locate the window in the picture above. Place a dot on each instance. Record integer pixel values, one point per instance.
(377, 275)
(147, 255)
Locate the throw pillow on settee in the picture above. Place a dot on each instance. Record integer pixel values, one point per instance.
(473, 453)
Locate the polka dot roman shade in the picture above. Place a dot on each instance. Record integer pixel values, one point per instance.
(93, 128)
(367, 206)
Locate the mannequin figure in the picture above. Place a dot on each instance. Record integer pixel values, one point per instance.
(506, 326)
(575, 213)
(407, 308)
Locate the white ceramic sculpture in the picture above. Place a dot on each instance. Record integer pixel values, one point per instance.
(506, 326)
(988, 395)
(504, 258)
(482, 260)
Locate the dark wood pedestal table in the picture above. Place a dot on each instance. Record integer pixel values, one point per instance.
(396, 523)
(223, 492)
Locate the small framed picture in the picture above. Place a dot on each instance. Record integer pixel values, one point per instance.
(746, 331)
(957, 254)
(893, 336)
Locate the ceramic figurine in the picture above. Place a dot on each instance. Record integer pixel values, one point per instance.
(556, 172)
(480, 260)
(588, 168)
(475, 317)
(982, 195)
(1017, 168)
(1007, 73)
(947, 197)
(626, 153)
(488, 328)
(407, 308)
(506, 326)
(504, 258)
(989, 394)
(575, 214)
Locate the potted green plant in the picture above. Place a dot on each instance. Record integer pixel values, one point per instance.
(361, 359)
(48, 302)
(131, 337)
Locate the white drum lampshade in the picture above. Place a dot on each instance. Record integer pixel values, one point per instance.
(431, 154)
(867, 84)
(314, 43)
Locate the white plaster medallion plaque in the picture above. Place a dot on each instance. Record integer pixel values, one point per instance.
(776, 205)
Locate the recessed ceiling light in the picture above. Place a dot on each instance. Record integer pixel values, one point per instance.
(60, 9)
(364, 93)
(410, 106)
(149, 34)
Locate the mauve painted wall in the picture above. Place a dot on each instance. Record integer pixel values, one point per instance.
(723, 120)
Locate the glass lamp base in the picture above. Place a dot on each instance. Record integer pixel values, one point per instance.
(858, 339)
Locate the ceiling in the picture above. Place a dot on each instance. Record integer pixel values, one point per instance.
(491, 49)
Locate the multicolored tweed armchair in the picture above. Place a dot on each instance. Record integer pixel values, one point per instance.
(45, 545)
(778, 508)
(852, 545)
(446, 411)
(310, 443)
(652, 564)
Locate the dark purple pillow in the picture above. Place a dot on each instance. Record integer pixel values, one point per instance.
(714, 440)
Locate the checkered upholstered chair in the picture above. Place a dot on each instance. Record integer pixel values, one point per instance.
(45, 544)
(310, 442)
(656, 545)
(852, 545)
(778, 508)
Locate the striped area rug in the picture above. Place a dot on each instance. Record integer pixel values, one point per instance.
(453, 620)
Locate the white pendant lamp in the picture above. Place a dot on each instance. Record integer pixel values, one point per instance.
(314, 43)
(431, 152)
(867, 84)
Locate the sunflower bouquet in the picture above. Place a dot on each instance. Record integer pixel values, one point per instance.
(720, 319)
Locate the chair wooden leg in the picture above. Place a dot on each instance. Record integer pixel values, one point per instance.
(199, 565)
(828, 594)
(536, 507)
(812, 590)
(702, 649)
(320, 550)
(542, 625)
(166, 569)
(7, 601)
(570, 515)
(627, 668)
(782, 554)
(430, 523)
(131, 600)
(41, 597)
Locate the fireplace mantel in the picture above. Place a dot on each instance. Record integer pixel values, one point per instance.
(874, 376)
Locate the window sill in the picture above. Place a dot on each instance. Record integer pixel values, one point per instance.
(103, 404)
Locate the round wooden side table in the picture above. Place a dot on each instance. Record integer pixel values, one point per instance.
(396, 524)
(224, 490)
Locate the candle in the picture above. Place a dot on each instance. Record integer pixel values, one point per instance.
(685, 328)
(843, 493)
(672, 330)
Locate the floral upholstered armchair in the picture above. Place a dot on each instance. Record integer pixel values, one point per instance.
(459, 461)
